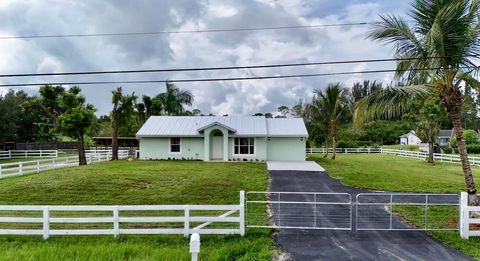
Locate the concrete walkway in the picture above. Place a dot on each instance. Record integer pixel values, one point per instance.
(348, 245)
(294, 165)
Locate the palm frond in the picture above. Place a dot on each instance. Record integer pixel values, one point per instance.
(389, 103)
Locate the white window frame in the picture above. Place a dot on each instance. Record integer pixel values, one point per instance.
(254, 147)
(170, 145)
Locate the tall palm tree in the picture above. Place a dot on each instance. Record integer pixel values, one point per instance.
(116, 97)
(173, 99)
(317, 115)
(437, 52)
(333, 105)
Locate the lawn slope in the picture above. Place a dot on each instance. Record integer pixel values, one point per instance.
(137, 182)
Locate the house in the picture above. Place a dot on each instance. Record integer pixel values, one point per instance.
(443, 139)
(410, 139)
(228, 138)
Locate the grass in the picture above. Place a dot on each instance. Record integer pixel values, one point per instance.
(402, 147)
(137, 182)
(397, 174)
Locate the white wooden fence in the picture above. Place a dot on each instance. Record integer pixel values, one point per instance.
(439, 157)
(18, 154)
(35, 166)
(467, 218)
(117, 220)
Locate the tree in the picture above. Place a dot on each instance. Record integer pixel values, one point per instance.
(436, 55)
(283, 110)
(332, 106)
(268, 115)
(174, 99)
(428, 120)
(471, 136)
(317, 115)
(123, 114)
(196, 112)
(76, 118)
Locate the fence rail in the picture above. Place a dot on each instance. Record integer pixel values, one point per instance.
(117, 220)
(18, 154)
(36, 166)
(447, 158)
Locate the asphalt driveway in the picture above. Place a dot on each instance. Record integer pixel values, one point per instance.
(347, 245)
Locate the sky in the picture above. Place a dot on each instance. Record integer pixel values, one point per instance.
(46, 17)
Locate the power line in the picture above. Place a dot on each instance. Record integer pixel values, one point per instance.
(188, 31)
(213, 68)
(209, 79)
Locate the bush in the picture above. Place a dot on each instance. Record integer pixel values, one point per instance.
(447, 150)
(473, 149)
(347, 144)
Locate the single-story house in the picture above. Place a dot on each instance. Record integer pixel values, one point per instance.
(444, 138)
(227, 138)
(410, 138)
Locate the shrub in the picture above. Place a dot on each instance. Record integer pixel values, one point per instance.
(447, 150)
(347, 144)
(473, 149)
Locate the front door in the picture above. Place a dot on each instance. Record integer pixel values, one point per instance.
(217, 148)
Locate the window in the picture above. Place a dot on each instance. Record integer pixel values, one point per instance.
(244, 146)
(174, 145)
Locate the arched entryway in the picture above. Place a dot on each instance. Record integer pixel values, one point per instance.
(216, 145)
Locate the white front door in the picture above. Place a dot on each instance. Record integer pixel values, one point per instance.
(217, 147)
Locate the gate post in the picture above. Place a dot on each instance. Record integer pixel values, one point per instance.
(242, 213)
(463, 216)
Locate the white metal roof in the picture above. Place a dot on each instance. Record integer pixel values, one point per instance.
(286, 127)
(167, 126)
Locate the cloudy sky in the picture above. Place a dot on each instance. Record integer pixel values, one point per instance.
(46, 17)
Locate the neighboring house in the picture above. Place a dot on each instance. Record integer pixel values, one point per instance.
(228, 138)
(445, 137)
(443, 140)
(410, 139)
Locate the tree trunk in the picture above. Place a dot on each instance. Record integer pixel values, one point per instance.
(82, 160)
(115, 134)
(326, 147)
(430, 152)
(334, 143)
(462, 150)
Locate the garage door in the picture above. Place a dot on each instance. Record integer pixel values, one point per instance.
(286, 148)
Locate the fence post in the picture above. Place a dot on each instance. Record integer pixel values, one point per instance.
(46, 222)
(20, 168)
(9, 154)
(464, 216)
(195, 246)
(116, 222)
(1, 176)
(186, 225)
(242, 213)
(38, 166)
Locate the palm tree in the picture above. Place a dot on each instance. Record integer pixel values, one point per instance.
(173, 99)
(437, 52)
(116, 97)
(333, 105)
(317, 115)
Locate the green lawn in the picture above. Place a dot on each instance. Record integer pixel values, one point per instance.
(394, 173)
(137, 182)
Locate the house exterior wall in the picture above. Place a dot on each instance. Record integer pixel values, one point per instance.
(260, 150)
(159, 148)
(286, 148)
(196, 147)
(413, 140)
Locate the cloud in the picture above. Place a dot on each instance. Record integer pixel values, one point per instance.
(29, 17)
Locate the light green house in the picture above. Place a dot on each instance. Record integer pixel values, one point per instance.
(229, 138)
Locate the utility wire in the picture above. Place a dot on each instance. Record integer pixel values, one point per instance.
(208, 79)
(213, 68)
(187, 31)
